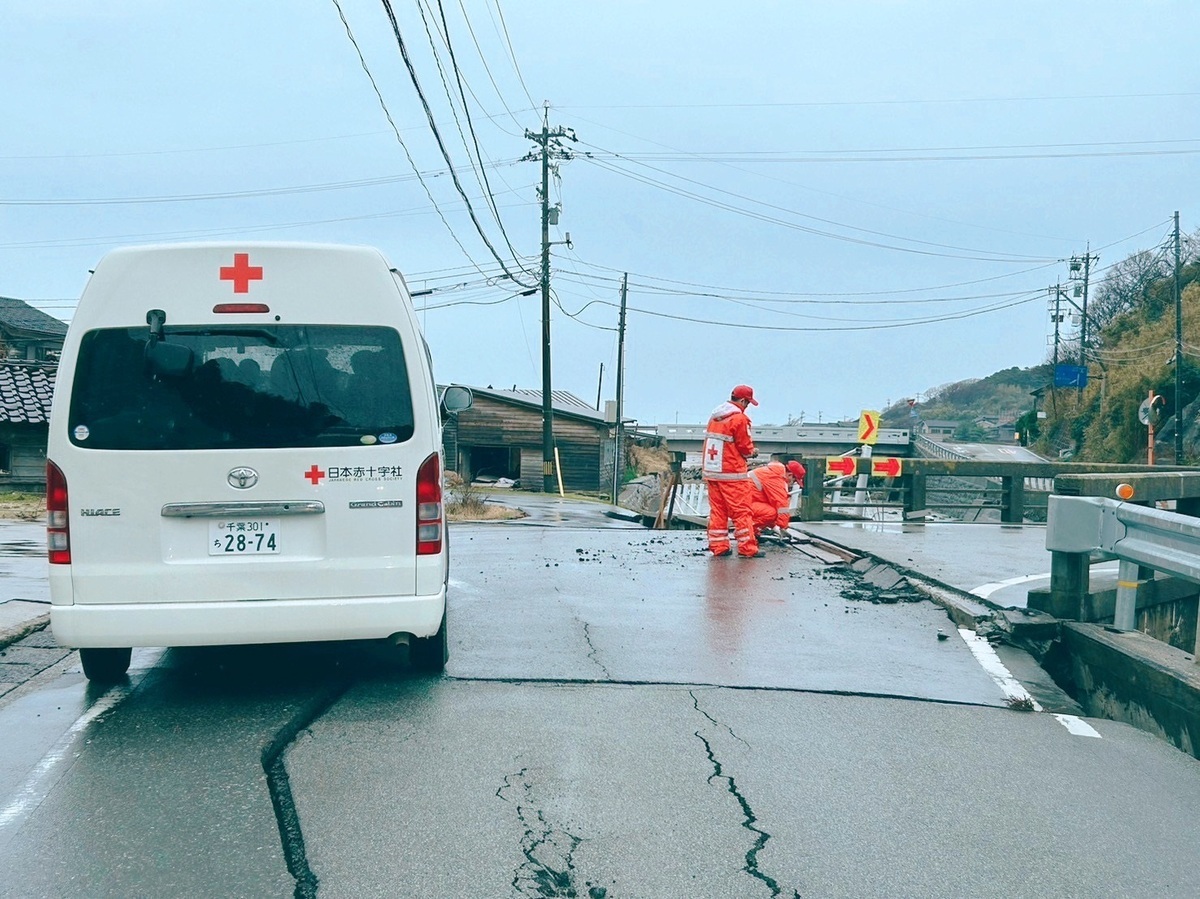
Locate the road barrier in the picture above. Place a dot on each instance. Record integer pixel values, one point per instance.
(971, 490)
(1082, 529)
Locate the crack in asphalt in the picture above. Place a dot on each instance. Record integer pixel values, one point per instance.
(587, 635)
(287, 819)
(549, 866)
(749, 820)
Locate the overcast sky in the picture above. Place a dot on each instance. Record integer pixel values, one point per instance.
(840, 204)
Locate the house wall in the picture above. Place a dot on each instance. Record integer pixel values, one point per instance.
(490, 422)
(26, 446)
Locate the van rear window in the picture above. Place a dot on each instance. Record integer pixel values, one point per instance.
(240, 388)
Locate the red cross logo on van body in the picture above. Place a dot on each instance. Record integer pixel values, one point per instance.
(314, 474)
(241, 273)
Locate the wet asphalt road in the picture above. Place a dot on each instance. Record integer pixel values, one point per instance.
(622, 716)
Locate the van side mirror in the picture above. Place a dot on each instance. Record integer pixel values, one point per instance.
(456, 399)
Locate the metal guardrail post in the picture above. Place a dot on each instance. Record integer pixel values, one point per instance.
(1125, 616)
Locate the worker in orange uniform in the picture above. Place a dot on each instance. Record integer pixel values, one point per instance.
(727, 446)
(772, 487)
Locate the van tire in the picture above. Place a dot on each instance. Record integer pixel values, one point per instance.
(105, 666)
(428, 655)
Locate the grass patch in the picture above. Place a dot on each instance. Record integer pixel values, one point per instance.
(466, 502)
(22, 506)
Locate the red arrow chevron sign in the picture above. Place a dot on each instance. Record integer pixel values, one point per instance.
(888, 466)
(841, 465)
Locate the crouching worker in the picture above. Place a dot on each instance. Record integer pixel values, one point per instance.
(772, 486)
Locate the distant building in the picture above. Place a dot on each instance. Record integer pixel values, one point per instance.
(500, 436)
(28, 334)
(936, 430)
(30, 343)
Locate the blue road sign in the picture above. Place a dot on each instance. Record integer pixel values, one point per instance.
(1070, 375)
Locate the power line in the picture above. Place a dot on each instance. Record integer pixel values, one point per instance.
(724, 291)
(511, 54)
(396, 130)
(688, 156)
(880, 326)
(412, 74)
(487, 69)
(910, 102)
(728, 207)
(230, 195)
(481, 169)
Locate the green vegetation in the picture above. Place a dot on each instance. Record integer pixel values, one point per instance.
(1130, 351)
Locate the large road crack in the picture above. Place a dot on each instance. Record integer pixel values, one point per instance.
(549, 866)
(749, 819)
(287, 819)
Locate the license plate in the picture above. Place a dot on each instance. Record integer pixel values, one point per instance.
(242, 537)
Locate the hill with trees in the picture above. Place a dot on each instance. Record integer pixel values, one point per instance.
(1129, 348)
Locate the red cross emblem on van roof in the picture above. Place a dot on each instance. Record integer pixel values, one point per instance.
(241, 273)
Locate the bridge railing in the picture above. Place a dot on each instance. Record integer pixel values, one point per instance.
(937, 450)
(1008, 492)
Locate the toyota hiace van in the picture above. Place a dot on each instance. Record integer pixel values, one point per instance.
(245, 447)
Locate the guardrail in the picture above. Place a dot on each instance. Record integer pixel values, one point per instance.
(937, 450)
(1144, 540)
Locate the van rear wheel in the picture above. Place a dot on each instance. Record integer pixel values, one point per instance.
(105, 666)
(430, 654)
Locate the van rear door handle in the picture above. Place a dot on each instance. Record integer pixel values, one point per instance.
(242, 510)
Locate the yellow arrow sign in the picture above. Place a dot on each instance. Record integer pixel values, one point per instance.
(868, 427)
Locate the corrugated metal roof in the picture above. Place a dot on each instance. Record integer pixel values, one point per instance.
(23, 317)
(560, 401)
(26, 391)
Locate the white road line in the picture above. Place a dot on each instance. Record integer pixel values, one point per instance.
(39, 783)
(1011, 687)
(985, 590)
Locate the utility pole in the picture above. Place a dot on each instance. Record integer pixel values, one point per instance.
(549, 147)
(1178, 354)
(1057, 316)
(1083, 263)
(618, 458)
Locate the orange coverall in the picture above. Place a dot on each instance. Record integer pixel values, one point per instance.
(727, 446)
(769, 502)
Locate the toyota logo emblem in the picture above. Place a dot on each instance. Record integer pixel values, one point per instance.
(243, 478)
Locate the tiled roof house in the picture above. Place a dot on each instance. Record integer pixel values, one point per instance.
(31, 342)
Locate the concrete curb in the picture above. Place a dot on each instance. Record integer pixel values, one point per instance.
(1131, 677)
(11, 635)
(964, 609)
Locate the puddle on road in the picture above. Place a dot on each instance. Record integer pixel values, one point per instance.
(26, 548)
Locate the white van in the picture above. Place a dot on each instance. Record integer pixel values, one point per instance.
(245, 447)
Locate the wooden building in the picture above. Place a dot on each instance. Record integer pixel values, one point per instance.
(28, 334)
(30, 343)
(500, 436)
(26, 390)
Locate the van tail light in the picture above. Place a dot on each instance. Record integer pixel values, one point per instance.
(429, 507)
(58, 526)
